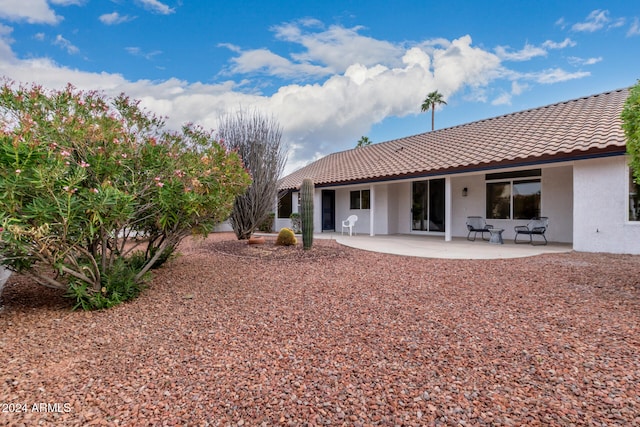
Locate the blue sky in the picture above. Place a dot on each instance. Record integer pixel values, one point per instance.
(328, 71)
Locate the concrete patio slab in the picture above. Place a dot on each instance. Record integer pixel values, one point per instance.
(436, 247)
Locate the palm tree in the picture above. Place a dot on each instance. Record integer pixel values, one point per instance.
(364, 141)
(430, 103)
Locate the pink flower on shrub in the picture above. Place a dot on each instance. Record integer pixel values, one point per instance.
(84, 164)
(65, 153)
(94, 190)
(160, 184)
(69, 190)
(18, 171)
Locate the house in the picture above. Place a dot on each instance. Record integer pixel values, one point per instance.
(565, 161)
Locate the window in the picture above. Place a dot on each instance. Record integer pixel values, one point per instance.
(360, 199)
(634, 200)
(514, 196)
(498, 200)
(526, 199)
(285, 205)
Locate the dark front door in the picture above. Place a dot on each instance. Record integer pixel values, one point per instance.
(328, 210)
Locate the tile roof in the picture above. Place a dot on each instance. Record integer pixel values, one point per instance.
(571, 129)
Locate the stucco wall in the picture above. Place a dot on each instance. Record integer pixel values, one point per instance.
(601, 206)
(393, 206)
(471, 205)
(343, 210)
(557, 202)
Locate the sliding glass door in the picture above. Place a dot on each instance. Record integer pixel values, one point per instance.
(427, 212)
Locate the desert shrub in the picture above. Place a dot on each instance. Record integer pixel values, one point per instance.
(119, 284)
(631, 125)
(296, 222)
(286, 237)
(257, 139)
(267, 225)
(82, 174)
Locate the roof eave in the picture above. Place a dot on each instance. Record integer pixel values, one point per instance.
(613, 150)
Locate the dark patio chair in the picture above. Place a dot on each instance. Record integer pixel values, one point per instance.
(537, 226)
(475, 225)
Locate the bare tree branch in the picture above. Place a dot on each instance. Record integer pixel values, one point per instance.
(257, 139)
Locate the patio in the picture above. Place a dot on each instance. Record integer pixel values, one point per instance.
(436, 247)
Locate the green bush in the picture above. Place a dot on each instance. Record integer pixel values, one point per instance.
(631, 125)
(296, 222)
(118, 285)
(267, 225)
(286, 237)
(82, 174)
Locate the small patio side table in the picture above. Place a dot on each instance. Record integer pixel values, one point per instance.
(496, 236)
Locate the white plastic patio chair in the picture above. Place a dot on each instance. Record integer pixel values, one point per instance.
(349, 223)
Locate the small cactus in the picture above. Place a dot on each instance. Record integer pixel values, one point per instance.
(286, 237)
(306, 212)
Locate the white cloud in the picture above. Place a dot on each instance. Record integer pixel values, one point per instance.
(114, 18)
(66, 45)
(337, 47)
(525, 54)
(266, 62)
(574, 60)
(503, 99)
(136, 51)
(618, 23)
(6, 53)
(327, 115)
(555, 75)
(33, 11)
(156, 6)
(68, 2)
(634, 30)
(461, 64)
(595, 21)
(564, 43)
(530, 51)
(518, 88)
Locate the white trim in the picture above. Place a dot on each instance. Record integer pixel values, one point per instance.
(372, 204)
(448, 220)
(627, 221)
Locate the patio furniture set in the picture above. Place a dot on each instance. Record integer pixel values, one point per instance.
(536, 227)
(477, 224)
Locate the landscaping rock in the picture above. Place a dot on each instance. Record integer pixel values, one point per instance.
(334, 336)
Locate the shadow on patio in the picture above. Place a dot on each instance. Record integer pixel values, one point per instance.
(436, 247)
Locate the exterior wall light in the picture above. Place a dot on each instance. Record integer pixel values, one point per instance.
(465, 192)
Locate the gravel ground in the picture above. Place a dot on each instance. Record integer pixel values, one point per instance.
(231, 334)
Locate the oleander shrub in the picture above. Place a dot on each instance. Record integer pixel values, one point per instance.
(86, 180)
(631, 124)
(286, 237)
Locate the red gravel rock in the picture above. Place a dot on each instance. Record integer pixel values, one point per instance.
(237, 334)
